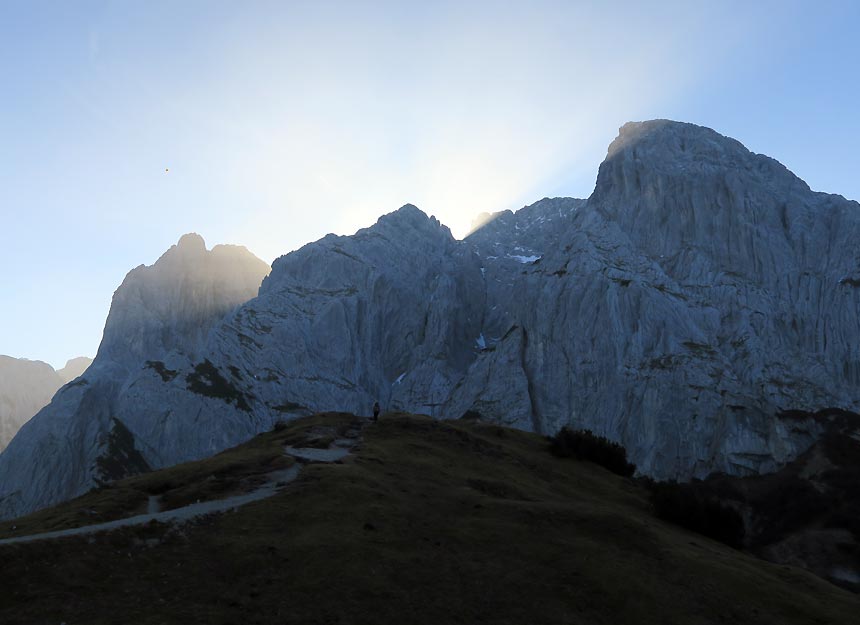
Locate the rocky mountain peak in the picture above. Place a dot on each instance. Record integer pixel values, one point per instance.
(411, 218)
(680, 191)
(189, 246)
(172, 303)
(661, 147)
(191, 241)
(410, 209)
(672, 136)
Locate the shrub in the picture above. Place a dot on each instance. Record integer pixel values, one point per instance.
(692, 507)
(166, 374)
(280, 426)
(585, 445)
(207, 380)
(472, 415)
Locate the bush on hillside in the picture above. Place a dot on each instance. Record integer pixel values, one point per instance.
(472, 415)
(692, 507)
(585, 445)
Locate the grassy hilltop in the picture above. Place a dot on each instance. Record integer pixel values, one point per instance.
(425, 522)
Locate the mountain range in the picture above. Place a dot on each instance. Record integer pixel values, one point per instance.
(27, 386)
(700, 293)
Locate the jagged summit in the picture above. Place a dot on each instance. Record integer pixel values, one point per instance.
(678, 190)
(191, 247)
(673, 137)
(410, 217)
(153, 311)
(191, 241)
(188, 249)
(408, 214)
(410, 208)
(670, 148)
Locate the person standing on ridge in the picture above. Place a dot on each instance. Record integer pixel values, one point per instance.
(376, 411)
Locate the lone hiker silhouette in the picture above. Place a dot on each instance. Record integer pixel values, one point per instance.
(376, 411)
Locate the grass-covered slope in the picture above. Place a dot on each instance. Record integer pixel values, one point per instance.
(426, 522)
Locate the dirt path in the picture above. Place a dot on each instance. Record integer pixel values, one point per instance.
(276, 481)
(332, 454)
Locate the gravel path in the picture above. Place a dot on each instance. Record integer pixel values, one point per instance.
(276, 481)
(313, 454)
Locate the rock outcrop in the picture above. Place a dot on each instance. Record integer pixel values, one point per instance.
(700, 291)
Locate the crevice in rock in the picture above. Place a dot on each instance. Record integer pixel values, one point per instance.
(535, 418)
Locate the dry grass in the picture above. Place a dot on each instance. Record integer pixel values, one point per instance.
(429, 522)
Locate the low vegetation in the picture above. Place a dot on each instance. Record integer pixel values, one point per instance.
(427, 522)
(161, 369)
(694, 507)
(119, 457)
(207, 380)
(585, 445)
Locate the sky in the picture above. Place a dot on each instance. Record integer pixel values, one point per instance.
(124, 125)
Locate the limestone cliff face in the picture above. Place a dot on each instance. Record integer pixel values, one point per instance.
(698, 292)
(81, 438)
(384, 314)
(173, 304)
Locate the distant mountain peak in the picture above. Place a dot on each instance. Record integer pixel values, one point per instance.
(28, 385)
(191, 241)
(74, 367)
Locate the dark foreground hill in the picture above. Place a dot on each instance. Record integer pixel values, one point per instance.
(422, 522)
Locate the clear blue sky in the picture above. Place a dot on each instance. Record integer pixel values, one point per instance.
(282, 121)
